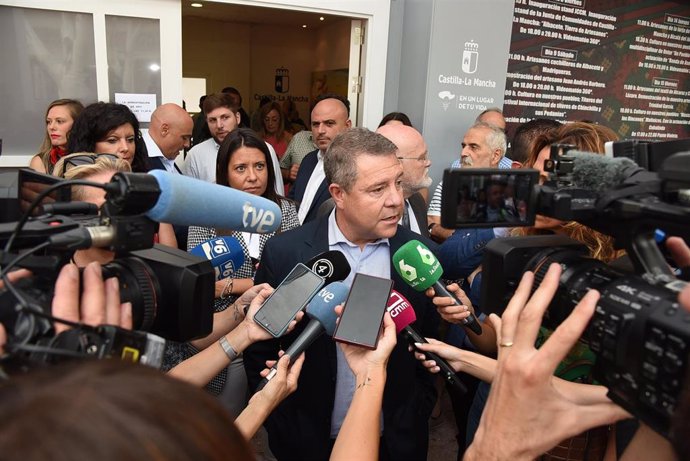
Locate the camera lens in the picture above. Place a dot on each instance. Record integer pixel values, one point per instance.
(138, 285)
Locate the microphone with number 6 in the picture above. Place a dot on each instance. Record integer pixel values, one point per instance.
(403, 315)
(321, 313)
(331, 266)
(225, 253)
(420, 269)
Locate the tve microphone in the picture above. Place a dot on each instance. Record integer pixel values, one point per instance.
(321, 313)
(185, 201)
(403, 315)
(420, 269)
(225, 253)
(331, 265)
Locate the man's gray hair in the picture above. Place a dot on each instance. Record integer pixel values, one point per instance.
(340, 160)
(496, 138)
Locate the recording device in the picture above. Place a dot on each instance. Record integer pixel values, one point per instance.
(19, 188)
(225, 254)
(171, 291)
(290, 297)
(362, 315)
(420, 269)
(648, 155)
(322, 319)
(403, 315)
(639, 333)
(330, 265)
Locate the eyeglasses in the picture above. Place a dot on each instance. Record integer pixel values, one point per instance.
(88, 159)
(421, 159)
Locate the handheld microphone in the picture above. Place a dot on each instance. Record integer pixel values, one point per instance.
(420, 269)
(403, 315)
(321, 313)
(185, 201)
(331, 265)
(225, 253)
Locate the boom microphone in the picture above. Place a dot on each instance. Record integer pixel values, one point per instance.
(185, 201)
(321, 313)
(331, 265)
(420, 269)
(600, 173)
(225, 253)
(403, 315)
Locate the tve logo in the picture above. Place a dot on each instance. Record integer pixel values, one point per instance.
(258, 220)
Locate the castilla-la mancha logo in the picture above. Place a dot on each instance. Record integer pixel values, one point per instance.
(470, 57)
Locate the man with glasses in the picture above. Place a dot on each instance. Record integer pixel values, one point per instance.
(414, 156)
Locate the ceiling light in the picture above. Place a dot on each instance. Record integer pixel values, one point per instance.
(155, 67)
(197, 5)
(304, 26)
(321, 18)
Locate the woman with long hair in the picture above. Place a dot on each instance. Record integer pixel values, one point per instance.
(273, 128)
(60, 117)
(243, 163)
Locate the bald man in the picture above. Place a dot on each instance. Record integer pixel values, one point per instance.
(414, 156)
(170, 131)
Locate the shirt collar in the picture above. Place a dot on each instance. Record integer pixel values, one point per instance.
(335, 236)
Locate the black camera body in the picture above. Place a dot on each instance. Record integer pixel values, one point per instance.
(639, 333)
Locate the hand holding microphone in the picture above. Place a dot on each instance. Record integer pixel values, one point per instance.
(322, 317)
(420, 269)
(403, 315)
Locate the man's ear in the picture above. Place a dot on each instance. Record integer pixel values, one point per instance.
(337, 194)
(348, 123)
(496, 157)
(165, 129)
(238, 116)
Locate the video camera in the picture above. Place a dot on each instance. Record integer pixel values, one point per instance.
(171, 291)
(639, 333)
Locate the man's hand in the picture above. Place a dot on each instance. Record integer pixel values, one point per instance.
(447, 308)
(293, 171)
(526, 414)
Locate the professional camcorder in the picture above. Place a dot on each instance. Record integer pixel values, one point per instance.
(171, 291)
(639, 333)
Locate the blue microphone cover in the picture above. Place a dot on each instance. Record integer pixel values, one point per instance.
(186, 201)
(224, 253)
(321, 306)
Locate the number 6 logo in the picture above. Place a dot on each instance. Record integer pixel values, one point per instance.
(408, 272)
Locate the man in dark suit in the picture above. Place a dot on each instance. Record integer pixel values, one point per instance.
(170, 131)
(414, 155)
(330, 117)
(364, 177)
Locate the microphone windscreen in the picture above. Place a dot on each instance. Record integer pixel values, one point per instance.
(331, 265)
(186, 201)
(225, 253)
(600, 173)
(321, 307)
(401, 311)
(417, 265)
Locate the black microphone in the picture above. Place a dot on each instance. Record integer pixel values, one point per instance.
(321, 313)
(330, 265)
(403, 315)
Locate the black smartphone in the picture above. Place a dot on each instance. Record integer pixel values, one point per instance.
(363, 312)
(488, 197)
(293, 293)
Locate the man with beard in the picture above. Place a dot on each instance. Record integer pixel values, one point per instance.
(414, 156)
(330, 117)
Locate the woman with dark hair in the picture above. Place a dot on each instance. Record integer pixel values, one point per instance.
(109, 128)
(273, 128)
(395, 117)
(243, 163)
(60, 117)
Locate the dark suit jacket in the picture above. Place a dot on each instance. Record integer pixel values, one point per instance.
(296, 193)
(419, 209)
(155, 163)
(300, 427)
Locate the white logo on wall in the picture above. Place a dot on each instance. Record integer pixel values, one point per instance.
(446, 98)
(470, 57)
